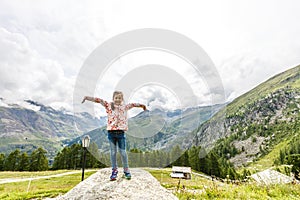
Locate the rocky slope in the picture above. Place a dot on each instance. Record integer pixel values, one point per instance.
(256, 121)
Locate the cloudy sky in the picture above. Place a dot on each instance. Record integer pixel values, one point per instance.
(44, 44)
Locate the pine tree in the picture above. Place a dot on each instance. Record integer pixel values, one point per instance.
(133, 157)
(38, 160)
(214, 164)
(246, 174)
(2, 160)
(282, 155)
(64, 159)
(75, 154)
(92, 156)
(232, 174)
(194, 158)
(203, 161)
(24, 162)
(184, 159)
(161, 159)
(57, 161)
(294, 160)
(152, 159)
(168, 160)
(156, 158)
(12, 161)
(147, 159)
(175, 155)
(141, 159)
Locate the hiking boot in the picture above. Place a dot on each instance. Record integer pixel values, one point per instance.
(127, 175)
(114, 175)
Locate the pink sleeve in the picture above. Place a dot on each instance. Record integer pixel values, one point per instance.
(132, 105)
(102, 102)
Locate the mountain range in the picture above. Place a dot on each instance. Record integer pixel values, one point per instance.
(256, 123)
(158, 129)
(29, 124)
(244, 130)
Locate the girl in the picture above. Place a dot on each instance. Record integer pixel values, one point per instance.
(117, 124)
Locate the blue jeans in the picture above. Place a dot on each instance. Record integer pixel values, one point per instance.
(117, 138)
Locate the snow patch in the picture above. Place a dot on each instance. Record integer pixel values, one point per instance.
(18, 104)
(29, 106)
(4, 104)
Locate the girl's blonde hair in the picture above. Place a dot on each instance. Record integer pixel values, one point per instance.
(114, 94)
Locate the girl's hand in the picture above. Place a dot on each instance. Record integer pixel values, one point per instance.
(83, 99)
(144, 107)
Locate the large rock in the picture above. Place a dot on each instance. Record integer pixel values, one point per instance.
(98, 186)
(270, 176)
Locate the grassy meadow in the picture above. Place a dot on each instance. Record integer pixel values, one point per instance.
(196, 188)
(11, 174)
(41, 188)
(201, 188)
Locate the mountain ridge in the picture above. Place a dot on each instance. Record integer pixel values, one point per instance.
(258, 116)
(252, 124)
(33, 124)
(154, 130)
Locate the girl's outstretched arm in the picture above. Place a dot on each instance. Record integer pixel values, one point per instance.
(95, 100)
(138, 105)
(89, 99)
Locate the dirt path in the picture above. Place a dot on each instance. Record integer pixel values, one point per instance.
(13, 180)
(202, 175)
(142, 186)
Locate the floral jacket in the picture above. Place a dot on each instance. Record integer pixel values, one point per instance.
(117, 118)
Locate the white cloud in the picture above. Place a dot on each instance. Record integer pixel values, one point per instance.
(26, 75)
(43, 44)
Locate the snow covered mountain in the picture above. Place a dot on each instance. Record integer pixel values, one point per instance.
(158, 129)
(30, 124)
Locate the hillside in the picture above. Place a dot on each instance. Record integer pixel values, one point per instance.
(157, 129)
(254, 124)
(30, 124)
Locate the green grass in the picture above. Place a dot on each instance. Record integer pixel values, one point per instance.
(163, 175)
(38, 189)
(246, 191)
(276, 82)
(201, 188)
(10, 174)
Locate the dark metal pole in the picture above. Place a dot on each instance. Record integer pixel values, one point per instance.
(83, 164)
